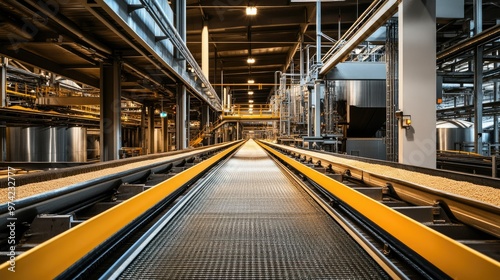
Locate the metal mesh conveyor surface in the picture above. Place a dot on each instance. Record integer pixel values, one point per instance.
(251, 222)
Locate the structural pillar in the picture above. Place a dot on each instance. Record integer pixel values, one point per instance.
(495, 118)
(164, 129)
(143, 130)
(151, 129)
(181, 118)
(3, 80)
(205, 51)
(238, 131)
(3, 95)
(205, 123)
(417, 82)
(180, 22)
(317, 108)
(110, 106)
(478, 79)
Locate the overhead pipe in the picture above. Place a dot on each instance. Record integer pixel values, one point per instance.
(469, 44)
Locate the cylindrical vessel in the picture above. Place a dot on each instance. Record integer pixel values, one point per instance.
(76, 143)
(454, 135)
(47, 144)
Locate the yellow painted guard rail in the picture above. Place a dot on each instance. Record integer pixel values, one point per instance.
(453, 258)
(51, 258)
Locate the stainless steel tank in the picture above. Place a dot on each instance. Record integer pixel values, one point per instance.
(47, 144)
(454, 135)
(22, 144)
(50, 143)
(93, 148)
(76, 144)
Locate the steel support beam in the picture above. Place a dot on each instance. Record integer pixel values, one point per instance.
(478, 79)
(417, 82)
(3, 142)
(151, 129)
(110, 141)
(164, 130)
(318, 88)
(205, 122)
(180, 23)
(3, 81)
(318, 33)
(143, 130)
(478, 100)
(495, 117)
(181, 118)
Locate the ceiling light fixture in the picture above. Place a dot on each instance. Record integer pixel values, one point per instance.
(251, 60)
(250, 93)
(251, 81)
(251, 11)
(250, 101)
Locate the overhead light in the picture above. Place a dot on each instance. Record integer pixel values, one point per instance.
(250, 105)
(251, 81)
(250, 101)
(250, 93)
(251, 11)
(251, 60)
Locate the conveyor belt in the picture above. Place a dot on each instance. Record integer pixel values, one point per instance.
(251, 222)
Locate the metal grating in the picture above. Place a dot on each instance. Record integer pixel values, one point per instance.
(251, 222)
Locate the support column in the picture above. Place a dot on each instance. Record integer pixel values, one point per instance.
(188, 118)
(317, 108)
(164, 130)
(478, 79)
(205, 51)
(110, 106)
(151, 129)
(417, 82)
(495, 117)
(3, 142)
(318, 34)
(237, 130)
(205, 123)
(181, 119)
(3, 95)
(3, 80)
(478, 99)
(143, 130)
(180, 22)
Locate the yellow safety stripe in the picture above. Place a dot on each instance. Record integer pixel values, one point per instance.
(51, 258)
(453, 258)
